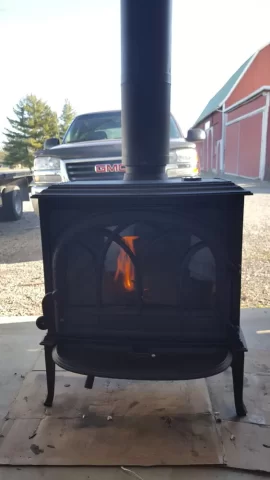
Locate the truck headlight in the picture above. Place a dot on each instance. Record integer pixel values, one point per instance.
(43, 179)
(47, 163)
(187, 155)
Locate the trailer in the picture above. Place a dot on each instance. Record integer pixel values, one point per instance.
(14, 190)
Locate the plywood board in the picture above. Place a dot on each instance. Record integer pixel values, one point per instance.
(132, 440)
(109, 397)
(247, 446)
(115, 423)
(136, 423)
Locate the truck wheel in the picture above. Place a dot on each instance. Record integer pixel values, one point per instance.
(13, 205)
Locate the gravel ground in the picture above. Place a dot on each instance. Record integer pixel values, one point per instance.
(21, 272)
(256, 249)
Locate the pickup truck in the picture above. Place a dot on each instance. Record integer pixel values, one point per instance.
(92, 150)
(14, 190)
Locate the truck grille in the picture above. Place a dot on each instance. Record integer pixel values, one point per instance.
(86, 170)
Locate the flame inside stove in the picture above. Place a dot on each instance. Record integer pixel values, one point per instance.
(125, 268)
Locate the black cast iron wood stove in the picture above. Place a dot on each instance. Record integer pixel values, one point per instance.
(143, 275)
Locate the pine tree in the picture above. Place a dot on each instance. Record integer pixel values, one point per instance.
(15, 146)
(34, 122)
(2, 157)
(66, 118)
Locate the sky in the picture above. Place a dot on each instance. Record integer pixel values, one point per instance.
(58, 49)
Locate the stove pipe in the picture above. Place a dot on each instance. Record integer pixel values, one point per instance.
(146, 87)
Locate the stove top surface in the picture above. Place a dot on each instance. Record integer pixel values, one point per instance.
(175, 187)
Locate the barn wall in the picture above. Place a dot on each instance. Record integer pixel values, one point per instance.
(247, 108)
(257, 75)
(208, 150)
(232, 149)
(217, 122)
(250, 146)
(217, 134)
(267, 164)
(244, 140)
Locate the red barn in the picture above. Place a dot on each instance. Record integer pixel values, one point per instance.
(236, 122)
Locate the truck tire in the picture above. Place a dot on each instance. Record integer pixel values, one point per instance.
(13, 204)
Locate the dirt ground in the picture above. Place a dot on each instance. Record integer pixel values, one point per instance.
(21, 271)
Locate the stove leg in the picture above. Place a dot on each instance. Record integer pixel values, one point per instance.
(238, 383)
(50, 374)
(89, 382)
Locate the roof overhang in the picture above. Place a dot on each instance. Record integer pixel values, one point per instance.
(220, 104)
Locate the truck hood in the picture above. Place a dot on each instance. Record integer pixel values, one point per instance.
(99, 149)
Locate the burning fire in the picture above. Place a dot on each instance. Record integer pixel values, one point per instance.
(125, 267)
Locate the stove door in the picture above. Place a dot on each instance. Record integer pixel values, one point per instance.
(141, 274)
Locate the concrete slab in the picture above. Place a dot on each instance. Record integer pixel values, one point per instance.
(257, 361)
(256, 397)
(23, 319)
(86, 473)
(255, 323)
(19, 348)
(40, 363)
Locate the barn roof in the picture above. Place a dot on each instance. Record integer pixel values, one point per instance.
(219, 98)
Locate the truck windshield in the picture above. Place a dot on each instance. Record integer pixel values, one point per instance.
(103, 126)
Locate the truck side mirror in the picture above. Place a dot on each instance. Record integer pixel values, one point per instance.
(51, 142)
(196, 135)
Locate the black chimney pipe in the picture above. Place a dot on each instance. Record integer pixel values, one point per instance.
(146, 87)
